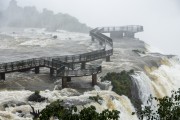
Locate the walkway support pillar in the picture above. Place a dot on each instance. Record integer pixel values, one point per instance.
(51, 71)
(68, 79)
(64, 82)
(116, 34)
(2, 76)
(107, 58)
(129, 34)
(94, 79)
(83, 65)
(36, 70)
(100, 43)
(92, 38)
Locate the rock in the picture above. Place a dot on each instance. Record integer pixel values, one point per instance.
(21, 114)
(20, 103)
(69, 92)
(12, 104)
(55, 36)
(105, 85)
(36, 98)
(19, 111)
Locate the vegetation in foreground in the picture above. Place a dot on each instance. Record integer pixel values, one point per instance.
(121, 82)
(122, 85)
(166, 108)
(58, 111)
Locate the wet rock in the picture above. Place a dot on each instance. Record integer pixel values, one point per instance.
(21, 115)
(55, 36)
(11, 104)
(36, 98)
(19, 111)
(69, 92)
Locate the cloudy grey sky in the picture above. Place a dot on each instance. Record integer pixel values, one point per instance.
(160, 18)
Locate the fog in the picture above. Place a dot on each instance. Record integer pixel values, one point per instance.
(160, 18)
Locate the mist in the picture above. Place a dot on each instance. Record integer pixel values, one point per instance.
(160, 18)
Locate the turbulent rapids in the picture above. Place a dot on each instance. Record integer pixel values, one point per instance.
(155, 73)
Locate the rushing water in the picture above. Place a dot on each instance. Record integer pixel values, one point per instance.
(158, 81)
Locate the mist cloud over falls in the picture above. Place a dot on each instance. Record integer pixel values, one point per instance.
(160, 18)
(3, 4)
(29, 16)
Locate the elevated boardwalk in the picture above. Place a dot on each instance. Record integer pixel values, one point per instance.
(65, 66)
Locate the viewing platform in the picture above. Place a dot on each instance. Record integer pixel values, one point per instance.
(65, 66)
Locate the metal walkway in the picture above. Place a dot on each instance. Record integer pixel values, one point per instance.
(65, 66)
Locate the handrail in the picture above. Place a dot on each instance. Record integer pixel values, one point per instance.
(81, 72)
(60, 63)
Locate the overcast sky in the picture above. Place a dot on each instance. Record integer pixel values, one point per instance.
(160, 18)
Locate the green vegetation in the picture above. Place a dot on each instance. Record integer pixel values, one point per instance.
(168, 108)
(96, 98)
(36, 92)
(57, 110)
(139, 51)
(122, 85)
(121, 82)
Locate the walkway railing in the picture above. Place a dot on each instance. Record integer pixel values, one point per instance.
(129, 28)
(61, 63)
(81, 72)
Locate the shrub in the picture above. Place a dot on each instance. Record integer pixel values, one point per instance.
(57, 110)
(36, 92)
(167, 108)
(121, 82)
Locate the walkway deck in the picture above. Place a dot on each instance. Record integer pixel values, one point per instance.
(64, 65)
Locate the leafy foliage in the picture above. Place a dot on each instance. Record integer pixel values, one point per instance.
(57, 110)
(121, 82)
(122, 85)
(36, 92)
(167, 108)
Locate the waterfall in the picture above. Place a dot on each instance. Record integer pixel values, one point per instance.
(158, 82)
(143, 83)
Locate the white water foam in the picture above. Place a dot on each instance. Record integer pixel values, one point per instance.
(110, 101)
